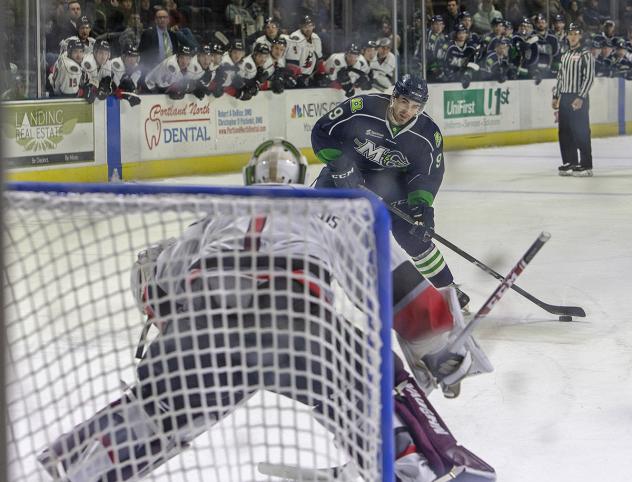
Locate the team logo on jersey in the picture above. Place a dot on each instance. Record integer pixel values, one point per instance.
(372, 133)
(356, 104)
(438, 138)
(380, 155)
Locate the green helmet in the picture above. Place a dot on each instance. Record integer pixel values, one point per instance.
(276, 161)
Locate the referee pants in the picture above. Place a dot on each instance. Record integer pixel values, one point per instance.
(574, 132)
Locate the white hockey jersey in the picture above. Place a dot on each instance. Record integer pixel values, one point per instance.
(67, 76)
(96, 72)
(165, 74)
(384, 71)
(337, 61)
(264, 40)
(317, 238)
(87, 46)
(303, 52)
(248, 68)
(230, 73)
(195, 70)
(119, 70)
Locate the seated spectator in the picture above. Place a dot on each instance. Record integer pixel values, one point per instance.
(514, 11)
(593, 17)
(240, 20)
(483, 17)
(451, 16)
(157, 43)
(83, 35)
(387, 32)
(169, 76)
(68, 25)
(177, 25)
(348, 70)
(574, 15)
(126, 74)
(98, 69)
(305, 54)
(383, 66)
(146, 13)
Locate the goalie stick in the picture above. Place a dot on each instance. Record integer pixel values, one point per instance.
(553, 309)
(341, 473)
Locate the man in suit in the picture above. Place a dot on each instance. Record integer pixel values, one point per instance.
(157, 42)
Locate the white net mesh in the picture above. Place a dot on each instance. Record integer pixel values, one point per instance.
(265, 346)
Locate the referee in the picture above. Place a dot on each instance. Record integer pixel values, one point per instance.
(570, 96)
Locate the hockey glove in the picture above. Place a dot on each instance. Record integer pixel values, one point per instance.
(276, 85)
(423, 215)
(88, 92)
(105, 88)
(349, 178)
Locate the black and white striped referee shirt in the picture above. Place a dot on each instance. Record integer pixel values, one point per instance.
(576, 74)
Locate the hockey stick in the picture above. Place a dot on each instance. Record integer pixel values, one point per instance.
(563, 311)
(290, 472)
(436, 361)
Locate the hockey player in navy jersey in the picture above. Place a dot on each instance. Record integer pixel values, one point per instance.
(387, 144)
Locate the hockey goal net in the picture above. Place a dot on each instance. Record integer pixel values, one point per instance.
(256, 357)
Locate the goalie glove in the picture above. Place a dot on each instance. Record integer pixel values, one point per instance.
(143, 274)
(423, 355)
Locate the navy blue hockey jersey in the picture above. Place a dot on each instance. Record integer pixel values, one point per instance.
(359, 129)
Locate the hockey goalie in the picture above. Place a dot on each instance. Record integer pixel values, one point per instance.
(246, 304)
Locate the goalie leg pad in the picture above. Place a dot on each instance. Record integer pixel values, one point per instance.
(431, 436)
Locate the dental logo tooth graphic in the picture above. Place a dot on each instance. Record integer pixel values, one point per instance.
(153, 127)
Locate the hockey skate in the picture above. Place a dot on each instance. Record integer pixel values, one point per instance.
(464, 299)
(565, 170)
(581, 171)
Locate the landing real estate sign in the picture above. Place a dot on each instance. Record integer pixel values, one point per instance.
(47, 133)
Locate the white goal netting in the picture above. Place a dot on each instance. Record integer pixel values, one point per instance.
(263, 343)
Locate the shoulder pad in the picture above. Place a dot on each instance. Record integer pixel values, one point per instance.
(171, 68)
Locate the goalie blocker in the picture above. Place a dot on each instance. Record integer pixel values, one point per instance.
(204, 364)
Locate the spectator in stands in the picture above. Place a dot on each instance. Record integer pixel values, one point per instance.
(593, 17)
(514, 11)
(305, 54)
(574, 15)
(146, 12)
(177, 25)
(64, 25)
(240, 20)
(157, 43)
(533, 7)
(130, 36)
(387, 32)
(484, 16)
(451, 16)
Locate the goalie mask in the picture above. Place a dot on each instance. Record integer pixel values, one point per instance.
(276, 162)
